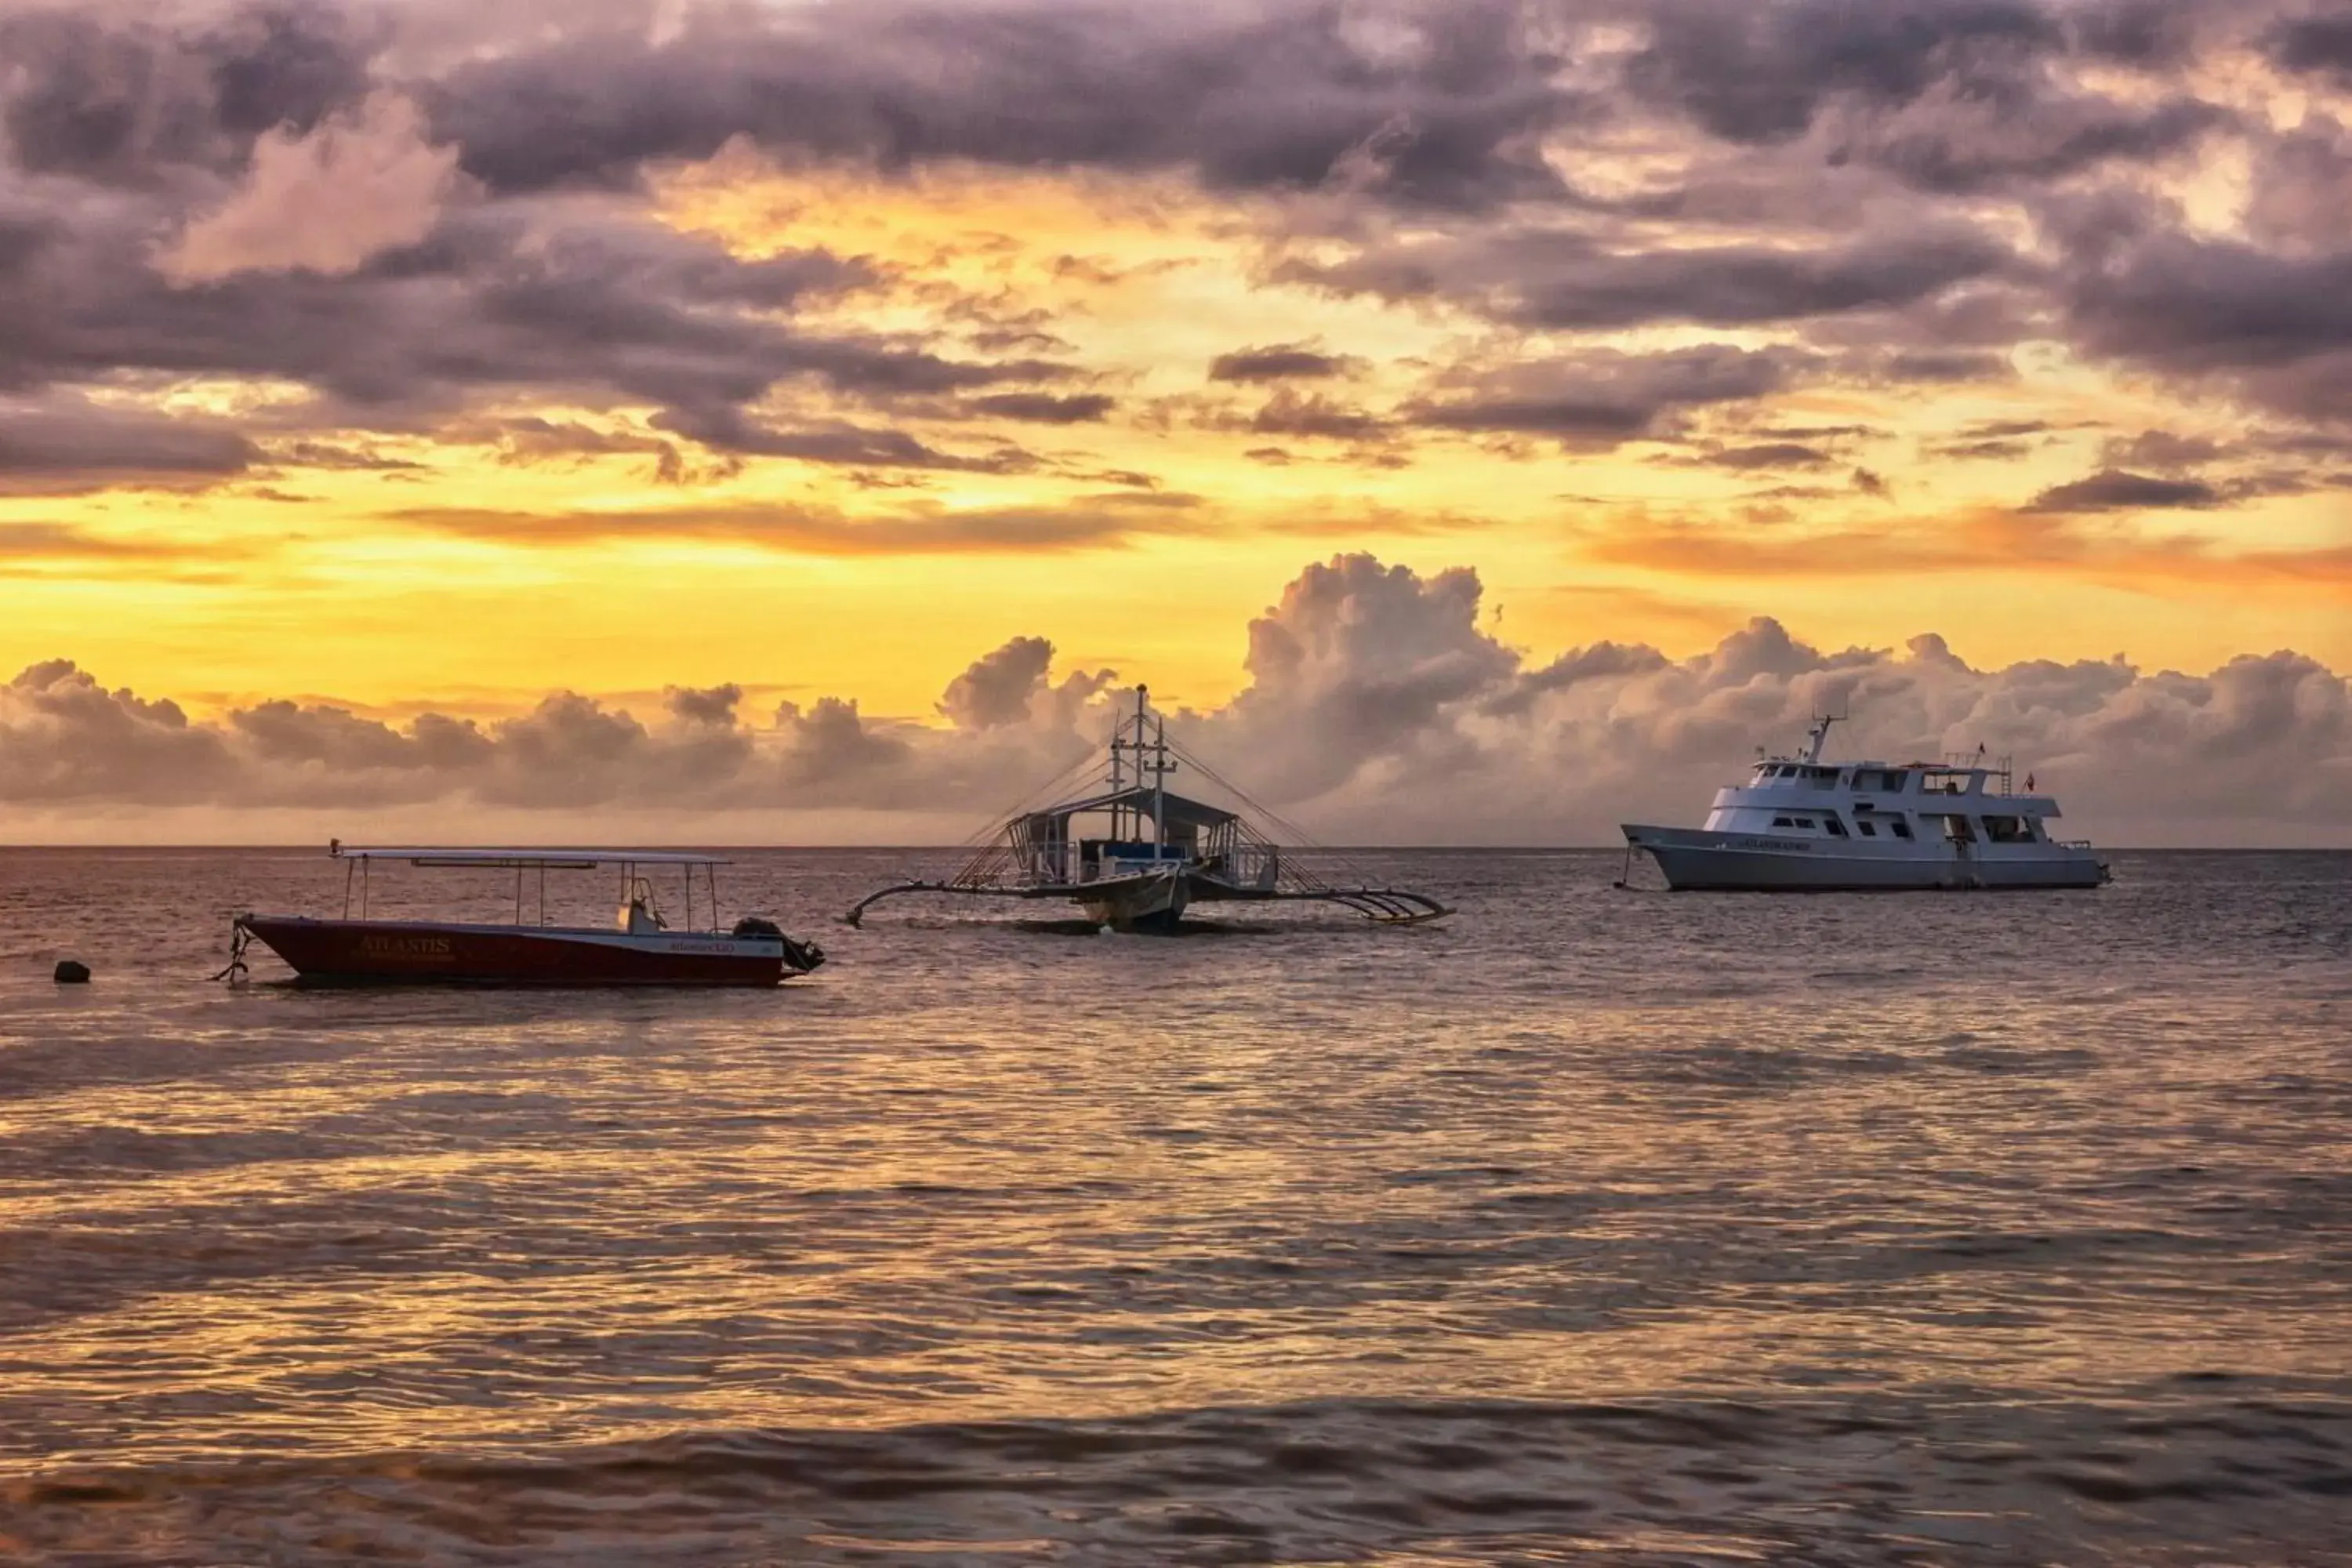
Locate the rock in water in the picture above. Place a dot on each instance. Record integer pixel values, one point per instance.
(71, 973)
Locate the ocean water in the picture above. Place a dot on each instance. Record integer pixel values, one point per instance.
(1590, 1227)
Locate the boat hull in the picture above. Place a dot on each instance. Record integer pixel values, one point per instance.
(1708, 860)
(437, 952)
(1129, 904)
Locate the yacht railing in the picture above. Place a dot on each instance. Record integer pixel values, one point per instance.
(1991, 767)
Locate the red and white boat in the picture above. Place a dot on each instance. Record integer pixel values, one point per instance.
(640, 948)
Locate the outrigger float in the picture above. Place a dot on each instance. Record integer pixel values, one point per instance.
(1133, 854)
(640, 948)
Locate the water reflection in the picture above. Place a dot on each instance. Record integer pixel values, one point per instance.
(1825, 1228)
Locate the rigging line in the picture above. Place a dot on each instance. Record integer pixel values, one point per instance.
(1022, 806)
(984, 848)
(976, 845)
(1289, 828)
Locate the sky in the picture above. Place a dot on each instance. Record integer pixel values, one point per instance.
(1477, 421)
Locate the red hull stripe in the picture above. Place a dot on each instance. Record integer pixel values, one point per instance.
(433, 952)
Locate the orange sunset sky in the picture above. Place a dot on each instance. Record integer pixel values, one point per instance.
(376, 375)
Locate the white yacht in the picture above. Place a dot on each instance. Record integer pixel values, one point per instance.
(1801, 824)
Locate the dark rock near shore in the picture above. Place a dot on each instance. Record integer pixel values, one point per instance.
(72, 973)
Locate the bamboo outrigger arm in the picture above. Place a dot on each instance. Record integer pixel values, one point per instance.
(858, 911)
(1384, 906)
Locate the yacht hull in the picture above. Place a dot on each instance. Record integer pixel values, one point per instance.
(1706, 860)
(439, 953)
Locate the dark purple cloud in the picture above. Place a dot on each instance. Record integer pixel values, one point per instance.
(67, 446)
(1277, 362)
(1452, 98)
(1770, 455)
(120, 102)
(2114, 490)
(1604, 398)
(2320, 43)
(1761, 72)
(1046, 408)
(1910, 189)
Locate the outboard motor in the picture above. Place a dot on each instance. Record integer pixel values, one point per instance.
(799, 956)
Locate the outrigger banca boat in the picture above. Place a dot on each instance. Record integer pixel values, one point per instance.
(640, 948)
(1132, 853)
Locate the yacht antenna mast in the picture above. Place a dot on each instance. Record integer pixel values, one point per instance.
(1820, 733)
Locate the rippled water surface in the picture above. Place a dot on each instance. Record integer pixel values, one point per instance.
(1590, 1226)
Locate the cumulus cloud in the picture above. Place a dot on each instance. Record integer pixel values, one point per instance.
(1378, 709)
(1010, 686)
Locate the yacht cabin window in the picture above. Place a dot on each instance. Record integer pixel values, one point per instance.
(1900, 828)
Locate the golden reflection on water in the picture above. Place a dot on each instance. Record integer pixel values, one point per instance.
(1577, 1148)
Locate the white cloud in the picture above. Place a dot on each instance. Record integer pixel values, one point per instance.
(1378, 711)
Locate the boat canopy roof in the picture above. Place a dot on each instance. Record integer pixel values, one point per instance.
(574, 859)
(1176, 810)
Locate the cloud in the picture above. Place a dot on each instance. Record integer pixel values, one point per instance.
(2274, 326)
(1604, 397)
(1953, 97)
(1762, 73)
(1352, 669)
(1561, 279)
(1045, 408)
(117, 98)
(1105, 522)
(1277, 362)
(1312, 415)
(1378, 708)
(1010, 686)
(2318, 44)
(67, 738)
(2040, 537)
(728, 429)
(326, 200)
(35, 542)
(704, 705)
(2114, 490)
(67, 446)
(1769, 455)
(424, 216)
(1432, 104)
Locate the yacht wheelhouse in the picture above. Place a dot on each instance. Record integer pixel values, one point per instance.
(1802, 823)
